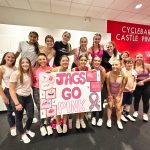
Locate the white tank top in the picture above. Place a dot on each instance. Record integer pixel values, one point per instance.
(6, 75)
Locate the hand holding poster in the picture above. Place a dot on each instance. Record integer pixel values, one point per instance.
(69, 92)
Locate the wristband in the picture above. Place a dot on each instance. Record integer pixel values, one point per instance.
(17, 104)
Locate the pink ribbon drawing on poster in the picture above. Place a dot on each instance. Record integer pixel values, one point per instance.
(94, 101)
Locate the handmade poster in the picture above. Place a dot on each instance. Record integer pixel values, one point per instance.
(69, 92)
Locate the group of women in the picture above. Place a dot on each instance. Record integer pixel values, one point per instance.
(122, 78)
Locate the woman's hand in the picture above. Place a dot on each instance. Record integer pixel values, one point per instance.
(140, 83)
(19, 107)
(6, 101)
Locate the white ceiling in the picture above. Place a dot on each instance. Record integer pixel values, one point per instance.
(120, 10)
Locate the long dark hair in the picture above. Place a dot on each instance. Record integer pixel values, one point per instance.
(115, 51)
(36, 44)
(3, 62)
(21, 69)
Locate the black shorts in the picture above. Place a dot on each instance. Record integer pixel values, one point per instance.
(127, 98)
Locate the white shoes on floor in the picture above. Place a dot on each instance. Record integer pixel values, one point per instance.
(99, 122)
(145, 117)
(13, 131)
(80, 124)
(135, 114)
(25, 138)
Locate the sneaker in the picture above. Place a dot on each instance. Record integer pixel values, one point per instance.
(89, 115)
(123, 118)
(13, 131)
(77, 124)
(34, 120)
(25, 138)
(100, 122)
(119, 124)
(64, 128)
(109, 123)
(93, 121)
(145, 117)
(43, 131)
(135, 114)
(49, 130)
(30, 133)
(59, 129)
(130, 118)
(83, 125)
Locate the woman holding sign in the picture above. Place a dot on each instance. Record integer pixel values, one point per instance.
(116, 82)
(96, 61)
(64, 62)
(81, 67)
(43, 67)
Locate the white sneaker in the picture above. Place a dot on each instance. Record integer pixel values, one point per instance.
(89, 115)
(43, 131)
(130, 118)
(135, 114)
(13, 131)
(77, 124)
(119, 124)
(145, 117)
(64, 128)
(100, 122)
(59, 129)
(25, 138)
(34, 120)
(83, 125)
(49, 130)
(123, 118)
(30, 133)
(93, 121)
(109, 123)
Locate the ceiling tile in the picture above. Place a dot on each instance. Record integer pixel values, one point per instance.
(61, 7)
(41, 5)
(87, 2)
(102, 3)
(4, 3)
(78, 9)
(125, 15)
(22, 4)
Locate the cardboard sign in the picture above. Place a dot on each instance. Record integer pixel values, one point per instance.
(69, 92)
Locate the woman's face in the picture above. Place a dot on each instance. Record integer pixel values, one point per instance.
(96, 62)
(82, 61)
(25, 65)
(124, 56)
(116, 66)
(66, 37)
(49, 43)
(83, 43)
(110, 48)
(10, 59)
(97, 39)
(129, 65)
(42, 60)
(64, 62)
(32, 38)
(139, 58)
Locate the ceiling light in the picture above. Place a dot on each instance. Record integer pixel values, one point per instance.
(138, 6)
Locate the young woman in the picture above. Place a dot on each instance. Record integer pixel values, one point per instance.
(62, 47)
(124, 55)
(81, 67)
(48, 49)
(129, 89)
(6, 69)
(77, 52)
(43, 67)
(96, 61)
(64, 62)
(29, 49)
(112, 52)
(142, 89)
(116, 82)
(20, 91)
(97, 48)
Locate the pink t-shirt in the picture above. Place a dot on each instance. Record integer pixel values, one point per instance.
(23, 89)
(36, 73)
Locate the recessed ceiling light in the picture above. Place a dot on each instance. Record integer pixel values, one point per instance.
(138, 6)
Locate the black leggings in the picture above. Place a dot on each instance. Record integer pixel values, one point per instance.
(144, 93)
(103, 97)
